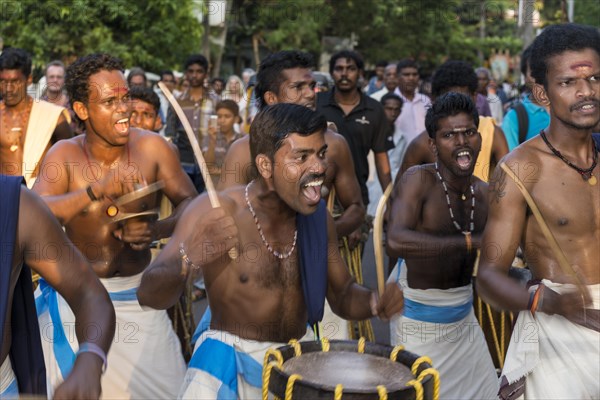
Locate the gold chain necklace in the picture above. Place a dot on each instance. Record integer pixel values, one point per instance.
(277, 254)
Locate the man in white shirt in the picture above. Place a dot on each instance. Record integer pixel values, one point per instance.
(412, 118)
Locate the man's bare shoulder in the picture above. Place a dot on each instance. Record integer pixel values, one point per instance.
(527, 160)
(232, 196)
(415, 181)
(333, 136)
(336, 143)
(422, 140)
(530, 150)
(147, 141)
(230, 199)
(68, 147)
(418, 151)
(422, 173)
(241, 142)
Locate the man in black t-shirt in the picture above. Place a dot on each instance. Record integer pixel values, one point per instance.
(360, 119)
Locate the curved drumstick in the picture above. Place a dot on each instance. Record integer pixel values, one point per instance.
(212, 194)
(378, 239)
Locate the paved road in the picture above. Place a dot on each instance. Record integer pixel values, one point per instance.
(381, 329)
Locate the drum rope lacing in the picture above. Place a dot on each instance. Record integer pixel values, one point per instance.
(416, 384)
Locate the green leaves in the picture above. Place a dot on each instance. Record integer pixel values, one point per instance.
(153, 34)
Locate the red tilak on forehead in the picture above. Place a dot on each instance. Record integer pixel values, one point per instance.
(119, 89)
(582, 64)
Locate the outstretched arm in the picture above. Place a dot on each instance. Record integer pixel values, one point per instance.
(70, 274)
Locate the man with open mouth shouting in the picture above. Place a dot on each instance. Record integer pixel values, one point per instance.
(82, 180)
(435, 226)
(288, 259)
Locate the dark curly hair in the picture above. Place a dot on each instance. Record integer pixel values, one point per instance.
(447, 105)
(146, 95)
(13, 58)
(270, 77)
(557, 39)
(347, 54)
(78, 74)
(453, 73)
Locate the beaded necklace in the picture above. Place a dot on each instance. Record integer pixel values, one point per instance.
(456, 224)
(17, 130)
(586, 173)
(262, 235)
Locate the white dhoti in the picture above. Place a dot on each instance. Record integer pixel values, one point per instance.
(144, 361)
(558, 358)
(333, 327)
(441, 324)
(226, 367)
(8, 382)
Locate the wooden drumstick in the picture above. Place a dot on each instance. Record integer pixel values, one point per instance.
(378, 240)
(212, 194)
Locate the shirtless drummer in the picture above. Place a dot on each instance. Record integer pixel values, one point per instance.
(91, 171)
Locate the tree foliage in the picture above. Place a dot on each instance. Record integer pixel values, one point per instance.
(153, 34)
(156, 34)
(280, 24)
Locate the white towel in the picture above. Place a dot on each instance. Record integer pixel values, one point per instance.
(246, 364)
(145, 359)
(458, 350)
(8, 381)
(560, 359)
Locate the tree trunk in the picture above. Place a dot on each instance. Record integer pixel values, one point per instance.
(221, 49)
(526, 18)
(206, 33)
(482, 17)
(255, 38)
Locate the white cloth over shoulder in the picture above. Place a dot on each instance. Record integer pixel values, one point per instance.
(41, 126)
(558, 358)
(441, 324)
(145, 359)
(8, 381)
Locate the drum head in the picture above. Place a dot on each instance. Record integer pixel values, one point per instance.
(356, 372)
